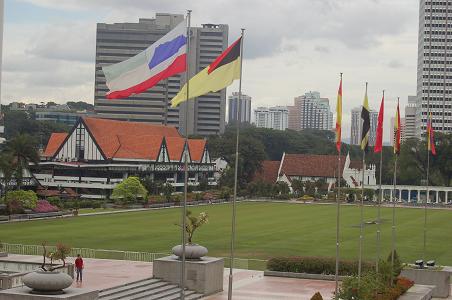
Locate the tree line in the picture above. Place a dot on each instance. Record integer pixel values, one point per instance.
(259, 144)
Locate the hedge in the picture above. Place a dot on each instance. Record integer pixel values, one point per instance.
(317, 265)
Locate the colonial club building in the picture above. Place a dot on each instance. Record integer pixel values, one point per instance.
(97, 154)
(307, 167)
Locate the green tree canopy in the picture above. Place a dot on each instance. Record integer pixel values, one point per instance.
(129, 191)
(27, 199)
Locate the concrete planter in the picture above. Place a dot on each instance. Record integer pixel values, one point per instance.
(438, 278)
(47, 283)
(192, 251)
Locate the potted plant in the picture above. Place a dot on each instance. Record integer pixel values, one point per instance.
(47, 280)
(192, 251)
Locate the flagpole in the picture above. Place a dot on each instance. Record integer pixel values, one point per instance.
(236, 166)
(394, 196)
(184, 205)
(338, 205)
(427, 197)
(380, 199)
(361, 208)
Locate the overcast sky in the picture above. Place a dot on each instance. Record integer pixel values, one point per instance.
(291, 47)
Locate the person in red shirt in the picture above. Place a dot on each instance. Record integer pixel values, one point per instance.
(79, 267)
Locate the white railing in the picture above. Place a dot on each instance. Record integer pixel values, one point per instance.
(239, 263)
(85, 252)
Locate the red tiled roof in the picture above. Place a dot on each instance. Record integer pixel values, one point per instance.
(104, 127)
(196, 147)
(268, 172)
(54, 143)
(305, 165)
(356, 164)
(133, 140)
(133, 146)
(122, 139)
(175, 146)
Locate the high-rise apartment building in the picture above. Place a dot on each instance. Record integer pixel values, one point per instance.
(279, 117)
(245, 108)
(310, 111)
(276, 117)
(119, 41)
(262, 117)
(357, 126)
(434, 72)
(410, 118)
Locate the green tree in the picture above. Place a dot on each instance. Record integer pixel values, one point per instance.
(129, 191)
(152, 186)
(24, 150)
(20, 199)
(7, 168)
(297, 186)
(168, 190)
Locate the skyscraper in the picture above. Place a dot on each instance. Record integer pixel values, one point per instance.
(410, 118)
(434, 72)
(357, 124)
(311, 112)
(119, 41)
(245, 108)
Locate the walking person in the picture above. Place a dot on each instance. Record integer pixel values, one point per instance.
(79, 267)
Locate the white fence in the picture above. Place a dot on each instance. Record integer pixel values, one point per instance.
(85, 252)
(239, 263)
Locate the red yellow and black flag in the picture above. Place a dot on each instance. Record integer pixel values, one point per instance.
(218, 75)
(339, 117)
(365, 116)
(430, 136)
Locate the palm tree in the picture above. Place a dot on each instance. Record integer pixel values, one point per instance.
(23, 149)
(7, 169)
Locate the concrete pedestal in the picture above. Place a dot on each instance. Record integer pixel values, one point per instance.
(204, 276)
(23, 293)
(438, 278)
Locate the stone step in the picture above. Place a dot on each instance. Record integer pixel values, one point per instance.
(156, 294)
(120, 294)
(126, 286)
(189, 295)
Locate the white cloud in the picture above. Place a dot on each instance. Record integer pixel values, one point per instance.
(291, 47)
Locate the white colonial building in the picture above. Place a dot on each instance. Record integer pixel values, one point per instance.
(97, 154)
(308, 167)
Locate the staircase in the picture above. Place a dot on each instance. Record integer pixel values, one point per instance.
(149, 289)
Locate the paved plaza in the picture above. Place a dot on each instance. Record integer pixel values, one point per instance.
(248, 285)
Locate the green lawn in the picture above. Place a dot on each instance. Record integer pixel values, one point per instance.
(95, 210)
(263, 230)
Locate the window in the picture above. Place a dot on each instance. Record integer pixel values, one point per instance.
(80, 142)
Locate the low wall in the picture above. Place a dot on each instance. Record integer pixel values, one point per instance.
(438, 278)
(418, 292)
(303, 275)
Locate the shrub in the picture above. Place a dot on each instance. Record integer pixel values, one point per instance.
(317, 296)
(55, 201)
(27, 199)
(316, 265)
(226, 193)
(44, 206)
(129, 191)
